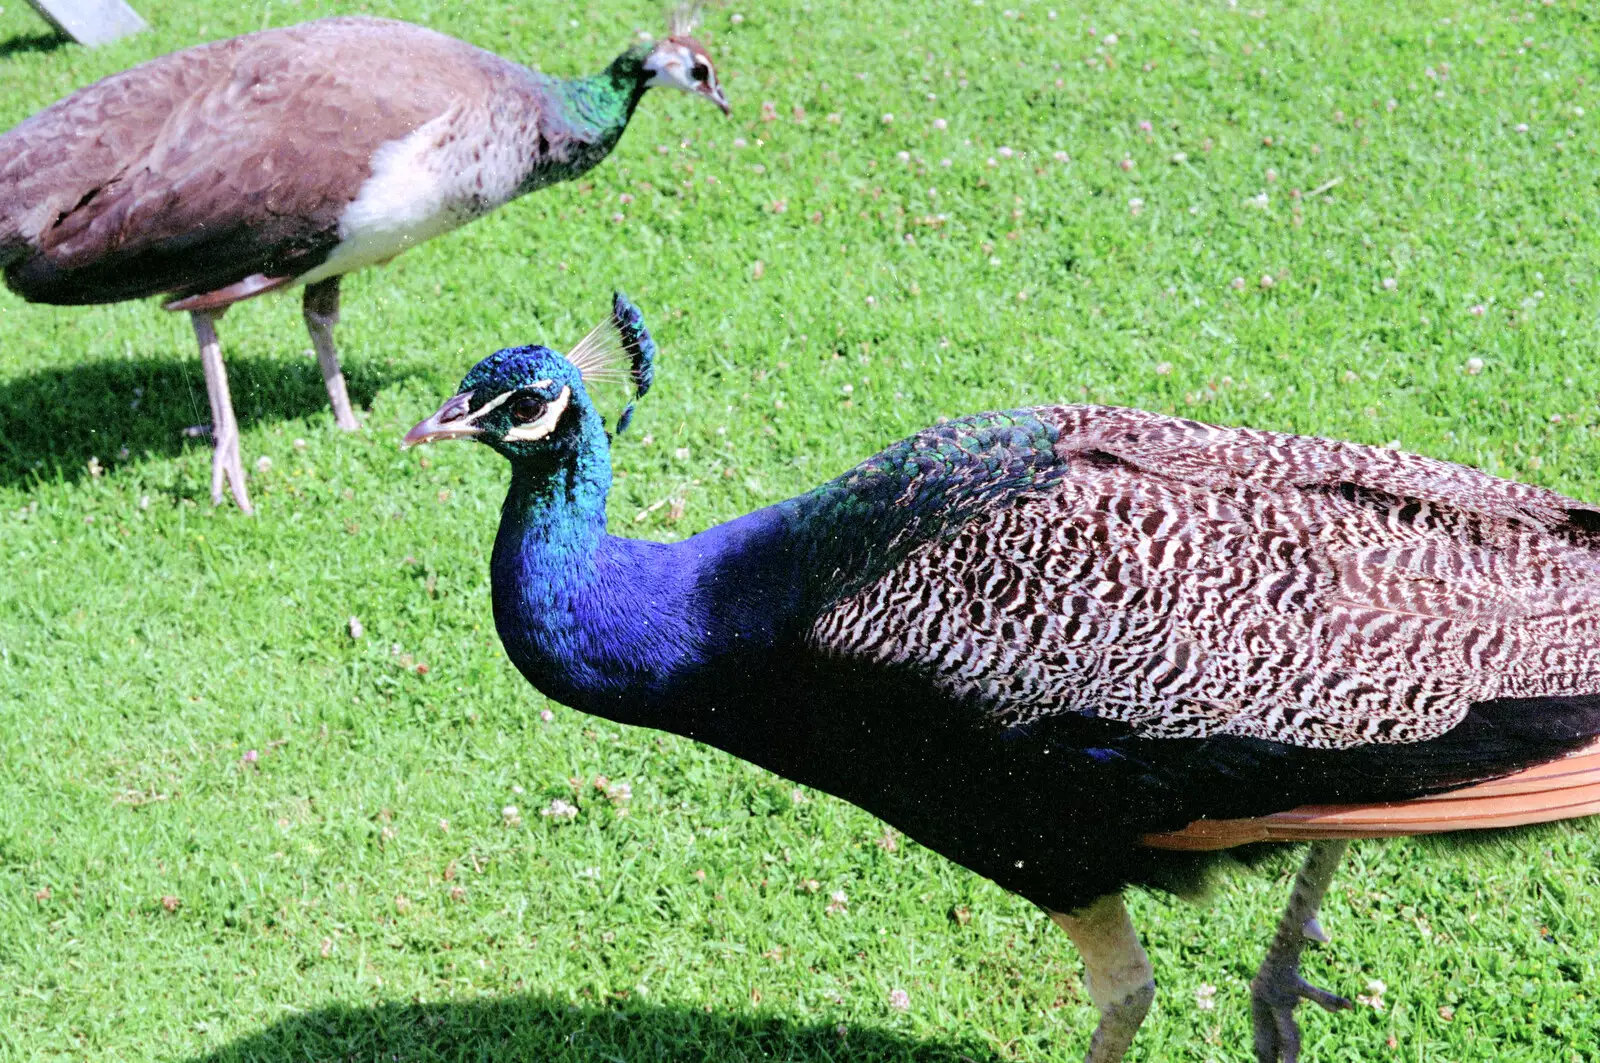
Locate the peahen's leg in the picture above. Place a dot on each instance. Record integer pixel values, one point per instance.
(1277, 987)
(1117, 973)
(321, 310)
(225, 461)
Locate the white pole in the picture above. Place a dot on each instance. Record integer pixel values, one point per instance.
(90, 22)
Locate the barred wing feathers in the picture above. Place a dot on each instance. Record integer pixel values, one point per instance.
(1198, 581)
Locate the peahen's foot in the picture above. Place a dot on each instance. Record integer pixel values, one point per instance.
(1275, 991)
(321, 310)
(227, 468)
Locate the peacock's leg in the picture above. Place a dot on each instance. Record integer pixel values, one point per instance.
(321, 310)
(225, 461)
(1117, 973)
(1277, 987)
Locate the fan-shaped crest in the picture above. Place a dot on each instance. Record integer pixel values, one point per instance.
(600, 356)
(682, 20)
(618, 345)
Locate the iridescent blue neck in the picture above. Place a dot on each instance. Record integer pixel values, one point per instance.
(605, 624)
(623, 627)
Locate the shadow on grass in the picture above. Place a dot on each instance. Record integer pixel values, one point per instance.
(540, 1029)
(57, 418)
(22, 43)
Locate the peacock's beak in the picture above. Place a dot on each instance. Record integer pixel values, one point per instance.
(448, 422)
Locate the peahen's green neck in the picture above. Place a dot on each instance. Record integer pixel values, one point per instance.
(601, 105)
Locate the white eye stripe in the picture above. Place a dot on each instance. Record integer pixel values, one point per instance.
(533, 430)
(476, 415)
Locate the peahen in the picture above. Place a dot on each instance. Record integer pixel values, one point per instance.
(1076, 648)
(291, 157)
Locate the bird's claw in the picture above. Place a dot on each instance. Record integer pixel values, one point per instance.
(1313, 931)
(1274, 994)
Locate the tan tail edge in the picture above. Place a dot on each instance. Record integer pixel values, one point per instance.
(1568, 788)
(253, 285)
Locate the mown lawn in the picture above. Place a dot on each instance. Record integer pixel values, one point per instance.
(1368, 220)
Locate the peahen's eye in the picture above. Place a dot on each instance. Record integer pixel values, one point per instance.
(701, 72)
(526, 409)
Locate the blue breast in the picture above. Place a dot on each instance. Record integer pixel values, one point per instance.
(620, 626)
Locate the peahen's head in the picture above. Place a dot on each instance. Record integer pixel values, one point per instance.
(681, 62)
(533, 402)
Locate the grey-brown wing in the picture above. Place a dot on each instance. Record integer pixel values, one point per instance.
(199, 168)
(1191, 580)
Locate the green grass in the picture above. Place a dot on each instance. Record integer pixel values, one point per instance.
(147, 641)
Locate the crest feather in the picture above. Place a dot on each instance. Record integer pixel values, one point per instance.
(640, 348)
(600, 356)
(682, 20)
(618, 349)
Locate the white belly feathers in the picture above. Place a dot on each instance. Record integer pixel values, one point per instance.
(442, 175)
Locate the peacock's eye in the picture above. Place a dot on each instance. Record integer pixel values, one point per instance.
(526, 409)
(701, 72)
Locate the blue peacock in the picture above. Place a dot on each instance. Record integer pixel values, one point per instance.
(1075, 648)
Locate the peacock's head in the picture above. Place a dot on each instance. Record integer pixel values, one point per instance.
(531, 401)
(681, 61)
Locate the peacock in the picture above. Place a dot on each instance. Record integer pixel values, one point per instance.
(291, 157)
(1075, 649)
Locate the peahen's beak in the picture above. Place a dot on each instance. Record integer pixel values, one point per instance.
(449, 421)
(714, 94)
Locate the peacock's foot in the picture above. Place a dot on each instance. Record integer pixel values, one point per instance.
(1275, 991)
(1119, 1021)
(1117, 973)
